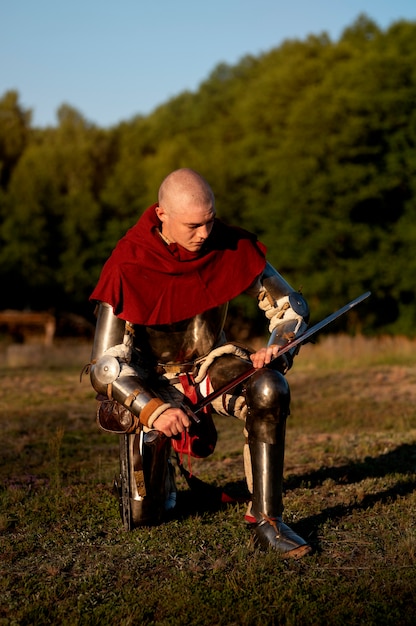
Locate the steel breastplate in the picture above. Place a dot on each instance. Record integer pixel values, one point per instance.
(185, 341)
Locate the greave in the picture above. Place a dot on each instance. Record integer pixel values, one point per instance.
(268, 406)
(267, 501)
(146, 480)
(267, 472)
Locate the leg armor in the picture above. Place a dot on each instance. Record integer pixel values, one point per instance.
(146, 483)
(264, 405)
(268, 399)
(146, 478)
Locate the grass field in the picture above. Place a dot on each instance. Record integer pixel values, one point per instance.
(350, 489)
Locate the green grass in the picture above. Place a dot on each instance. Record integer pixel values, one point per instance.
(350, 489)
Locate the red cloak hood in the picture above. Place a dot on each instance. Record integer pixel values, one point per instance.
(147, 282)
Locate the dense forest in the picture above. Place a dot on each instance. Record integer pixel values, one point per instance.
(311, 145)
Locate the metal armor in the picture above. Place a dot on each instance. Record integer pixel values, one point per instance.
(125, 358)
(128, 361)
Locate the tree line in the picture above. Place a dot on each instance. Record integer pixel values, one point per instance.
(310, 145)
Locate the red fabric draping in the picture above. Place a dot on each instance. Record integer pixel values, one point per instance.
(147, 282)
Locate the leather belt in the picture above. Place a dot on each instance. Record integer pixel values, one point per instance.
(175, 368)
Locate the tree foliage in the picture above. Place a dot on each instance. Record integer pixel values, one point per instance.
(310, 145)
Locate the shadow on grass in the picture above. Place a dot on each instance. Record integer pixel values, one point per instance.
(400, 460)
(340, 511)
(203, 497)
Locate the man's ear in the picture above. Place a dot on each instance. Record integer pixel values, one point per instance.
(160, 212)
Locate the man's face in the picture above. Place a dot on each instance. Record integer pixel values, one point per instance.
(189, 226)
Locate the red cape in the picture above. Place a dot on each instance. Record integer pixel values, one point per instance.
(147, 282)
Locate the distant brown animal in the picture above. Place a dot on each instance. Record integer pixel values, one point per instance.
(26, 325)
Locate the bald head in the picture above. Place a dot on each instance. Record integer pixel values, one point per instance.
(184, 188)
(186, 209)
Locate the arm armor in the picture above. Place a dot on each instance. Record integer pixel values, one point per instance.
(111, 373)
(285, 308)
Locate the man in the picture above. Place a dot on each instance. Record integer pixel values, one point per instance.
(162, 299)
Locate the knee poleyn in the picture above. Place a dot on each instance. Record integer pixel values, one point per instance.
(267, 390)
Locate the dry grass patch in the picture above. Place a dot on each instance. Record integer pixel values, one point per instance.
(350, 488)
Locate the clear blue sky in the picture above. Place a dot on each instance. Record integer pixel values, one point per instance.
(113, 59)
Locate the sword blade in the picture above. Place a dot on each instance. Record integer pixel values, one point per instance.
(289, 346)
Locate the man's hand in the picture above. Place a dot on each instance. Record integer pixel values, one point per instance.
(263, 356)
(172, 422)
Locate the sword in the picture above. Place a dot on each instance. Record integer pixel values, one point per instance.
(199, 406)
